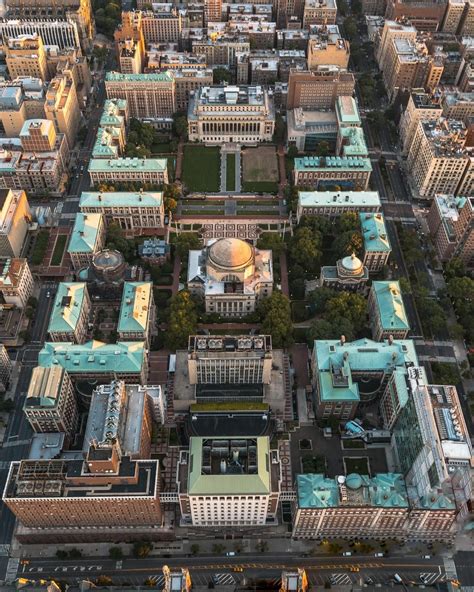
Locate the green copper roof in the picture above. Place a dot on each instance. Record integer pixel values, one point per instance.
(390, 304)
(94, 357)
(354, 141)
(374, 232)
(153, 77)
(132, 165)
(336, 362)
(435, 500)
(229, 484)
(135, 306)
(85, 232)
(120, 199)
(331, 163)
(317, 491)
(347, 111)
(104, 146)
(111, 114)
(365, 354)
(385, 490)
(67, 307)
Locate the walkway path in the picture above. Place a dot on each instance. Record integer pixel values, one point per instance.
(223, 170)
(238, 180)
(176, 272)
(179, 162)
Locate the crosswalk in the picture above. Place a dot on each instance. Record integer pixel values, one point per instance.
(157, 581)
(430, 578)
(340, 579)
(12, 569)
(224, 579)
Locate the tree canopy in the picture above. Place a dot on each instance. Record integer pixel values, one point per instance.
(275, 312)
(185, 242)
(273, 241)
(182, 320)
(305, 248)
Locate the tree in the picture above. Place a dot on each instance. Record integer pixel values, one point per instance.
(104, 581)
(116, 240)
(348, 221)
(322, 148)
(319, 298)
(280, 128)
(325, 329)
(171, 194)
(221, 75)
(182, 320)
(6, 405)
(262, 546)
(115, 553)
(350, 28)
(180, 126)
(195, 549)
(305, 248)
(142, 549)
(185, 242)
(272, 241)
(61, 554)
(75, 553)
(348, 305)
(347, 243)
(454, 268)
(276, 314)
(218, 548)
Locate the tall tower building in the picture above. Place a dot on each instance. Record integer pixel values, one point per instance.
(212, 11)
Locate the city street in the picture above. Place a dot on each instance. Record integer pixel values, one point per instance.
(320, 569)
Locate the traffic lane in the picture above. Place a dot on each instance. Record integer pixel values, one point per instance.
(377, 179)
(43, 312)
(396, 181)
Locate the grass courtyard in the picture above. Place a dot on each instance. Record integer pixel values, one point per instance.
(201, 168)
(58, 251)
(260, 170)
(230, 172)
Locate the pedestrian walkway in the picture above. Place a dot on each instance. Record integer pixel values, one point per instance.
(284, 275)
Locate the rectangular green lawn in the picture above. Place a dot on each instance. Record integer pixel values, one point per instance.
(58, 251)
(201, 168)
(260, 187)
(230, 173)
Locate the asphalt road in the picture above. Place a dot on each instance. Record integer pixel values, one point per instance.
(135, 571)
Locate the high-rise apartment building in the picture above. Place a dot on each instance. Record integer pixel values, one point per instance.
(420, 106)
(163, 24)
(318, 89)
(425, 15)
(242, 114)
(457, 105)
(453, 16)
(70, 315)
(188, 81)
(408, 65)
(62, 106)
(16, 281)
(148, 95)
(319, 12)
(20, 100)
(15, 218)
(391, 31)
(130, 58)
(5, 368)
(327, 47)
(212, 11)
(50, 404)
(26, 56)
(438, 161)
(451, 224)
(229, 482)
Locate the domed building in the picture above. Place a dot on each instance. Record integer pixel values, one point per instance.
(349, 273)
(231, 275)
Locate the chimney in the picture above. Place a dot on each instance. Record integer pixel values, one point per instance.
(343, 339)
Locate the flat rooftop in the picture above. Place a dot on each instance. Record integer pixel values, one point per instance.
(229, 466)
(338, 198)
(231, 95)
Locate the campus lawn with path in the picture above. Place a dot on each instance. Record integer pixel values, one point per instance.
(201, 168)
